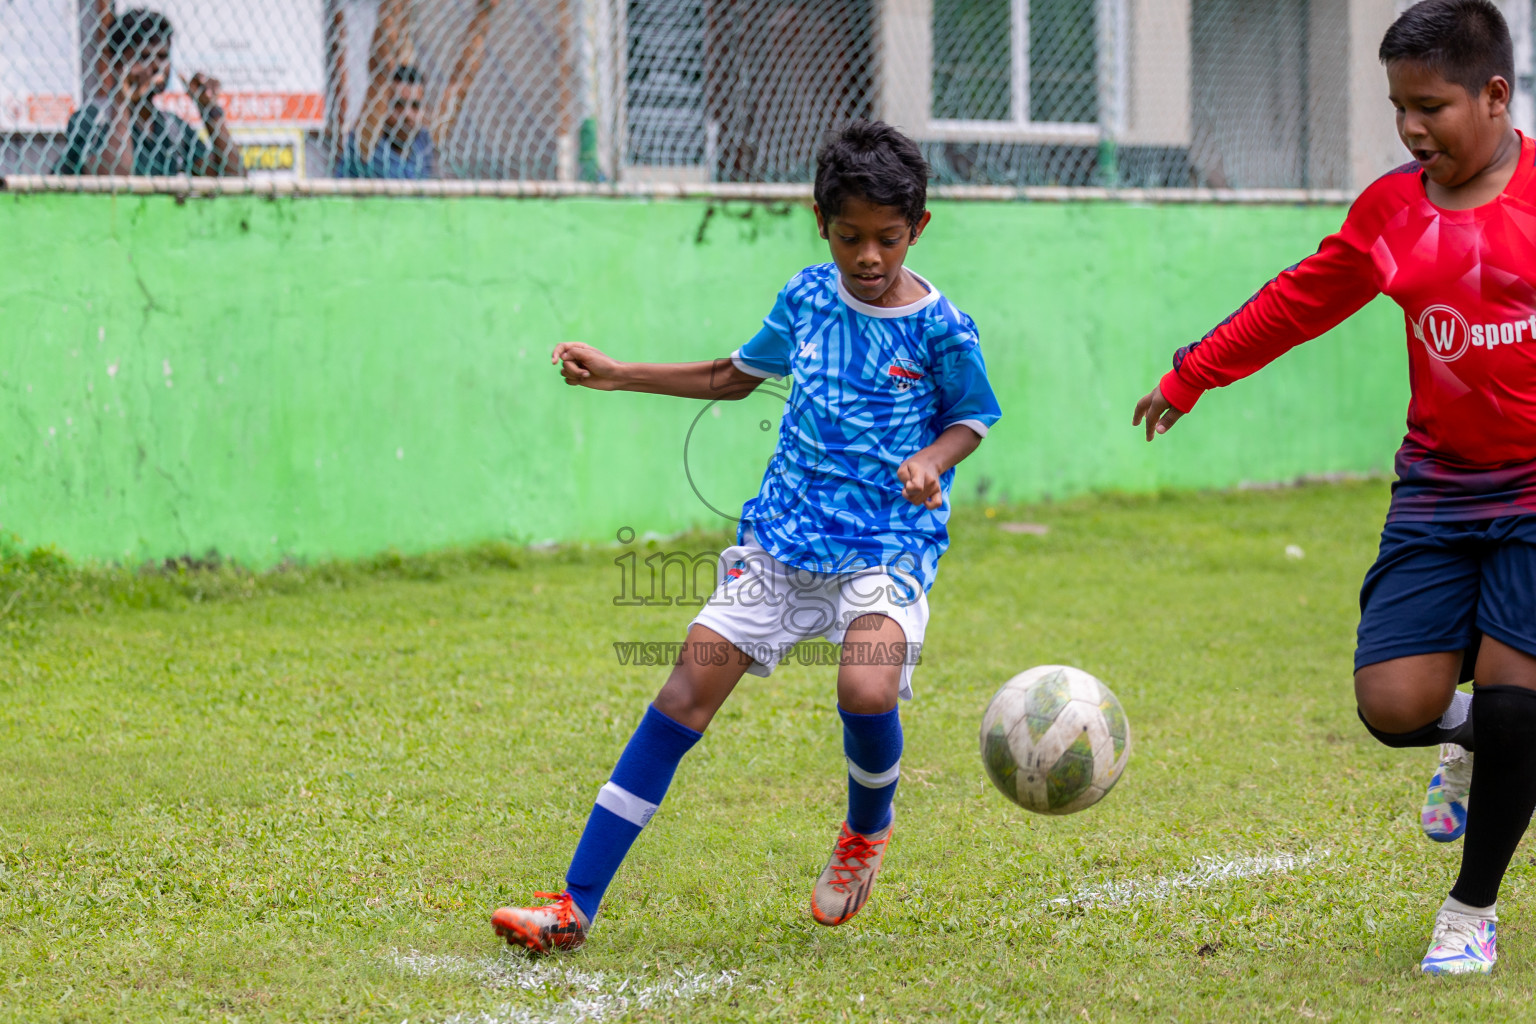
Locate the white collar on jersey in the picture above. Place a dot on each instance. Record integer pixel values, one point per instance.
(889, 312)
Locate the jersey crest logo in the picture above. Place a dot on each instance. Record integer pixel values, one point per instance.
(808, 349)
(1444, 332)
(904, 373)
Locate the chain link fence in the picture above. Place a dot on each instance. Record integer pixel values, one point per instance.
(1110, 93)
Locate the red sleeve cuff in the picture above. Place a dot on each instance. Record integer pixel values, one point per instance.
(1177, 393)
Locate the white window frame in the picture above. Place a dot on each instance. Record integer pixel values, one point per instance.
(1113, 28)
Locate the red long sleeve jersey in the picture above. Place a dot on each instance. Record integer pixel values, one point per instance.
(1466, 280)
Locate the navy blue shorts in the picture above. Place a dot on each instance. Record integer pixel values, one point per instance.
(1439, 586)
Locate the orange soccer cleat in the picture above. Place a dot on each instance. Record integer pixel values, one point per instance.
(843, 888)
(561, 925)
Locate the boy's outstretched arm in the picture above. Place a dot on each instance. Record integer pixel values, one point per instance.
(920, 474)
(1301, 303)
(584, 366)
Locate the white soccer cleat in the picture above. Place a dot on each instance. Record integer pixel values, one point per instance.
(1444, 814)
(1461, 945)
(844, 885)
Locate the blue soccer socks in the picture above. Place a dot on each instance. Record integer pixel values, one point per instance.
(640, 780)
(625, 804)
(873, 746)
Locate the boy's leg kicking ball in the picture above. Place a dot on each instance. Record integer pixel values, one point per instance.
(1446, 237)
(866, 702)
(674, 722)
(875, 671)
(844, 537)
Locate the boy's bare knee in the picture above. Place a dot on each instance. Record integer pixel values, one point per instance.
(867, 693)
(683, 700)
(1400, 701)
(1390, 718)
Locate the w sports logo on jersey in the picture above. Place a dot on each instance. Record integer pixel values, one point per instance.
(1444, 332)
(1447, 335)
(903, 373)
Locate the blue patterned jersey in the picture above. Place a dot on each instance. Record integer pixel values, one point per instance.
(870, 387)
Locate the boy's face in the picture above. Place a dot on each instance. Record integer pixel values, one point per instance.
(869, 245)
(1452, 133)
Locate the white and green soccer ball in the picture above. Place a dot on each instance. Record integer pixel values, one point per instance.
(1055, 740)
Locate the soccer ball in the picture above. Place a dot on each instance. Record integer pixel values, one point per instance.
(1055, 740)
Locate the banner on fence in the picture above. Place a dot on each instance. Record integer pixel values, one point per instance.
(266, 77)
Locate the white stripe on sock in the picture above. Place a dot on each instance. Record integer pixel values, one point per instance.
(625, 804)
(870, 780)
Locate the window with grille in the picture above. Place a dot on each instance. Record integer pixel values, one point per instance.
(1018, 62)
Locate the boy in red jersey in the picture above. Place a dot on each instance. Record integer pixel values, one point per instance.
(1451, 237)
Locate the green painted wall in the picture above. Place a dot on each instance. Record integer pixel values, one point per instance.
(318, 377)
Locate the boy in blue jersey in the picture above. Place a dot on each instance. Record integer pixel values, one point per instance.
(888, 394)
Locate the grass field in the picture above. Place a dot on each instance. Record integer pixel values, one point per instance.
(299, 796)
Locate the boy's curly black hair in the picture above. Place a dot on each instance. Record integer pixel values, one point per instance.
(1467, 41)
(872, 161)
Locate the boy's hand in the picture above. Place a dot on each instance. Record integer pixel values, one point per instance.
(1159, 415)
(919, 478)
(584, 366)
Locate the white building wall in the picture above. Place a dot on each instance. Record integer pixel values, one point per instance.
(1158, 74)
(1374, 145)
(906, 64)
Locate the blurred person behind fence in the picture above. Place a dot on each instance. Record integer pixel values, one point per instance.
(403, 148)
(122, 132)
(399, 132)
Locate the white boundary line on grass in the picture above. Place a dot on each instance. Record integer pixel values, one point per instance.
(1207, 871)
(597, 997)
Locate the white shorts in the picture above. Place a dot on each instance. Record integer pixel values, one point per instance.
(764, 607)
